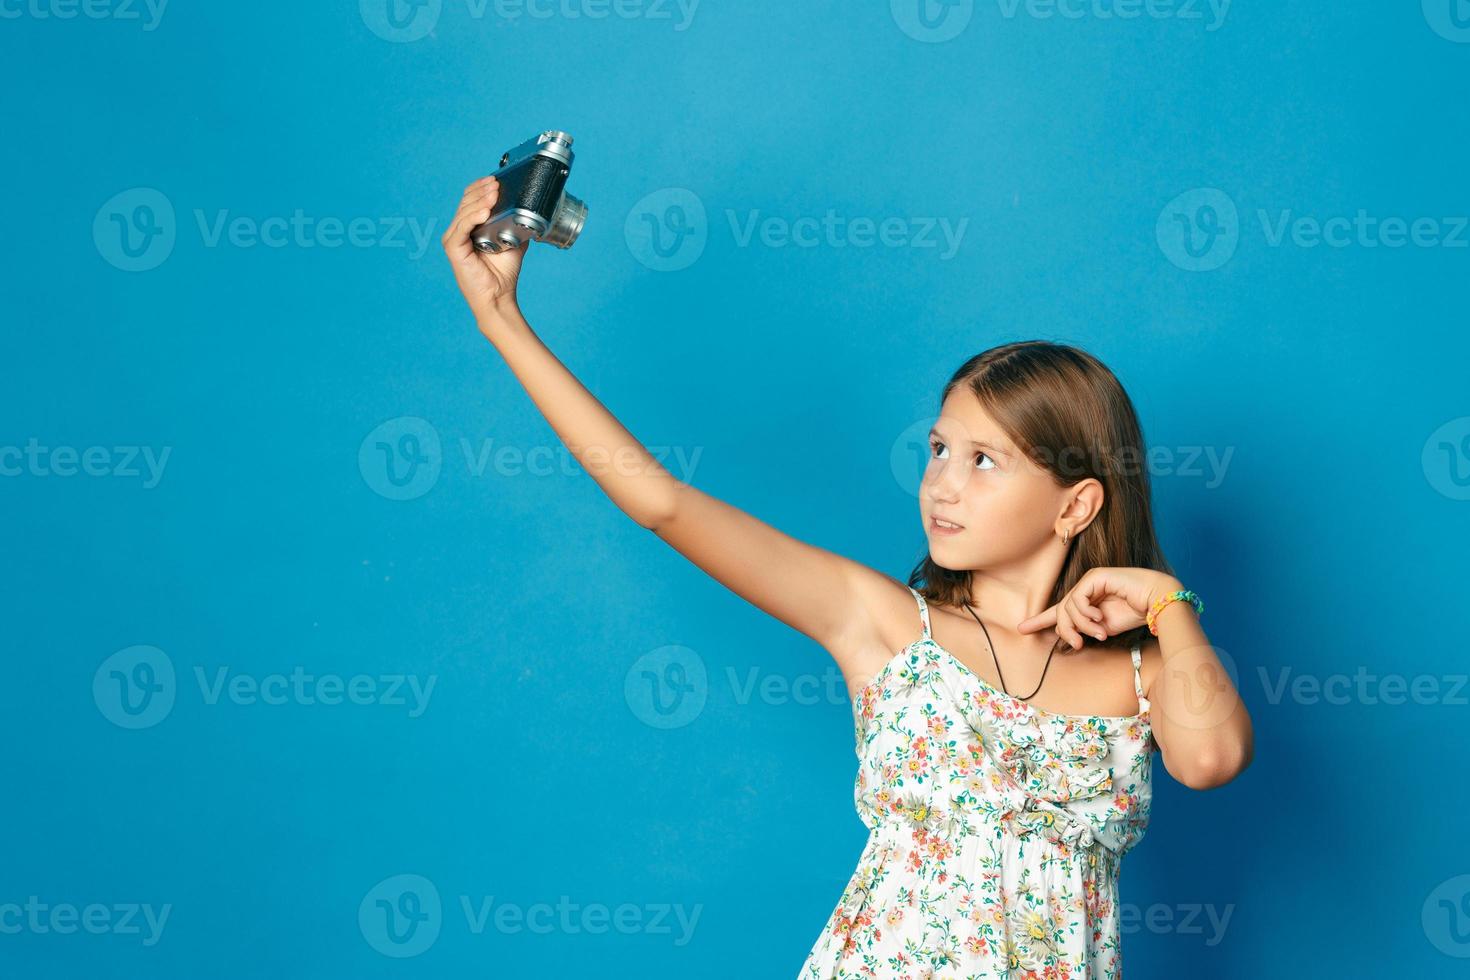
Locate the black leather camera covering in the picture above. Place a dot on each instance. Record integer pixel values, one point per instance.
(534, 185)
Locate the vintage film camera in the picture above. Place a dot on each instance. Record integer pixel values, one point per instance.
(533, 201)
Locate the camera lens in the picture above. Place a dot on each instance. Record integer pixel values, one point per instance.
(566, 222)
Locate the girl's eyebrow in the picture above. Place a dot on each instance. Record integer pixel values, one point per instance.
(980, 444)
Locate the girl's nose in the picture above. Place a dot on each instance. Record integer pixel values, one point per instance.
(945, 480)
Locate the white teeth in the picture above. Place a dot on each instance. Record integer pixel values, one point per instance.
(945, 523)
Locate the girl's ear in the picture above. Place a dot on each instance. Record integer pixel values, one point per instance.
(1084, 503)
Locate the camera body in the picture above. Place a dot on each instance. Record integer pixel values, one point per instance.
(533, 203)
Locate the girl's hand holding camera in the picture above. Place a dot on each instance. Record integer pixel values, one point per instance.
(487, 279)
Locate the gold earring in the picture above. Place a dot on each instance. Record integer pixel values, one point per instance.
(1066, 534)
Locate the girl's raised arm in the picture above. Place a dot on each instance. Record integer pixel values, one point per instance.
(821, 594)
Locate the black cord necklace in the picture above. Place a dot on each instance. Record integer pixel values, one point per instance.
(998, 672)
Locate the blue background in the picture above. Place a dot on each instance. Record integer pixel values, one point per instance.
(1333, 541)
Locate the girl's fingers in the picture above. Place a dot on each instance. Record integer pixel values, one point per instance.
(1085, 615)
(1075, 616)
(1073, 604)
(470, 216)
(467, 218)
(474, 208)
(478, 201)
(1066, 630)
(1090, 586)
(457, 238)
(480, 194)
(1041, 620)
(478, 186)
(488, 192)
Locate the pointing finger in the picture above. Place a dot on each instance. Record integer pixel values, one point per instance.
(1041, 620)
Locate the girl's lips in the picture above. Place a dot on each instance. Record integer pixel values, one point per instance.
(936, 528)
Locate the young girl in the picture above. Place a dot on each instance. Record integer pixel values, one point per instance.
(1001, 784)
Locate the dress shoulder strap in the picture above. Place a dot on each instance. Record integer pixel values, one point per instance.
(1138, 679)
(923, 610)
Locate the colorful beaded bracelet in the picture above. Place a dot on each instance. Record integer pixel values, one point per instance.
(1185, 594)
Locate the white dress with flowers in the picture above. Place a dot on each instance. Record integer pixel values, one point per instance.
(996, 830)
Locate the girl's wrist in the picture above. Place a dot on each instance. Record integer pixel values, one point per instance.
(1169, 612)
(500, 316)
(1173, 593)
(1162, 587)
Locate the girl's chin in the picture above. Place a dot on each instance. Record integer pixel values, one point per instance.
(952, 553)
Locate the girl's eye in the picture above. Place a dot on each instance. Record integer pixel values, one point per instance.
(936, 447)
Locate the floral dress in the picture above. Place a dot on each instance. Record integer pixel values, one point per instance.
(996, 830)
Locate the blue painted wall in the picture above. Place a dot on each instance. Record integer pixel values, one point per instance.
(261, 666)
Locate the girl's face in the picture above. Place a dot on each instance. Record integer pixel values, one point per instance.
(1005, 505)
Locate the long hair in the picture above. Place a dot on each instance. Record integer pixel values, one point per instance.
(1068, 413)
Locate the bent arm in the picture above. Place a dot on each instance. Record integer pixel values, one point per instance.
(1199, 720)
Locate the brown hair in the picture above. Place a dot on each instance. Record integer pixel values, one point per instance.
(1068, 414)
